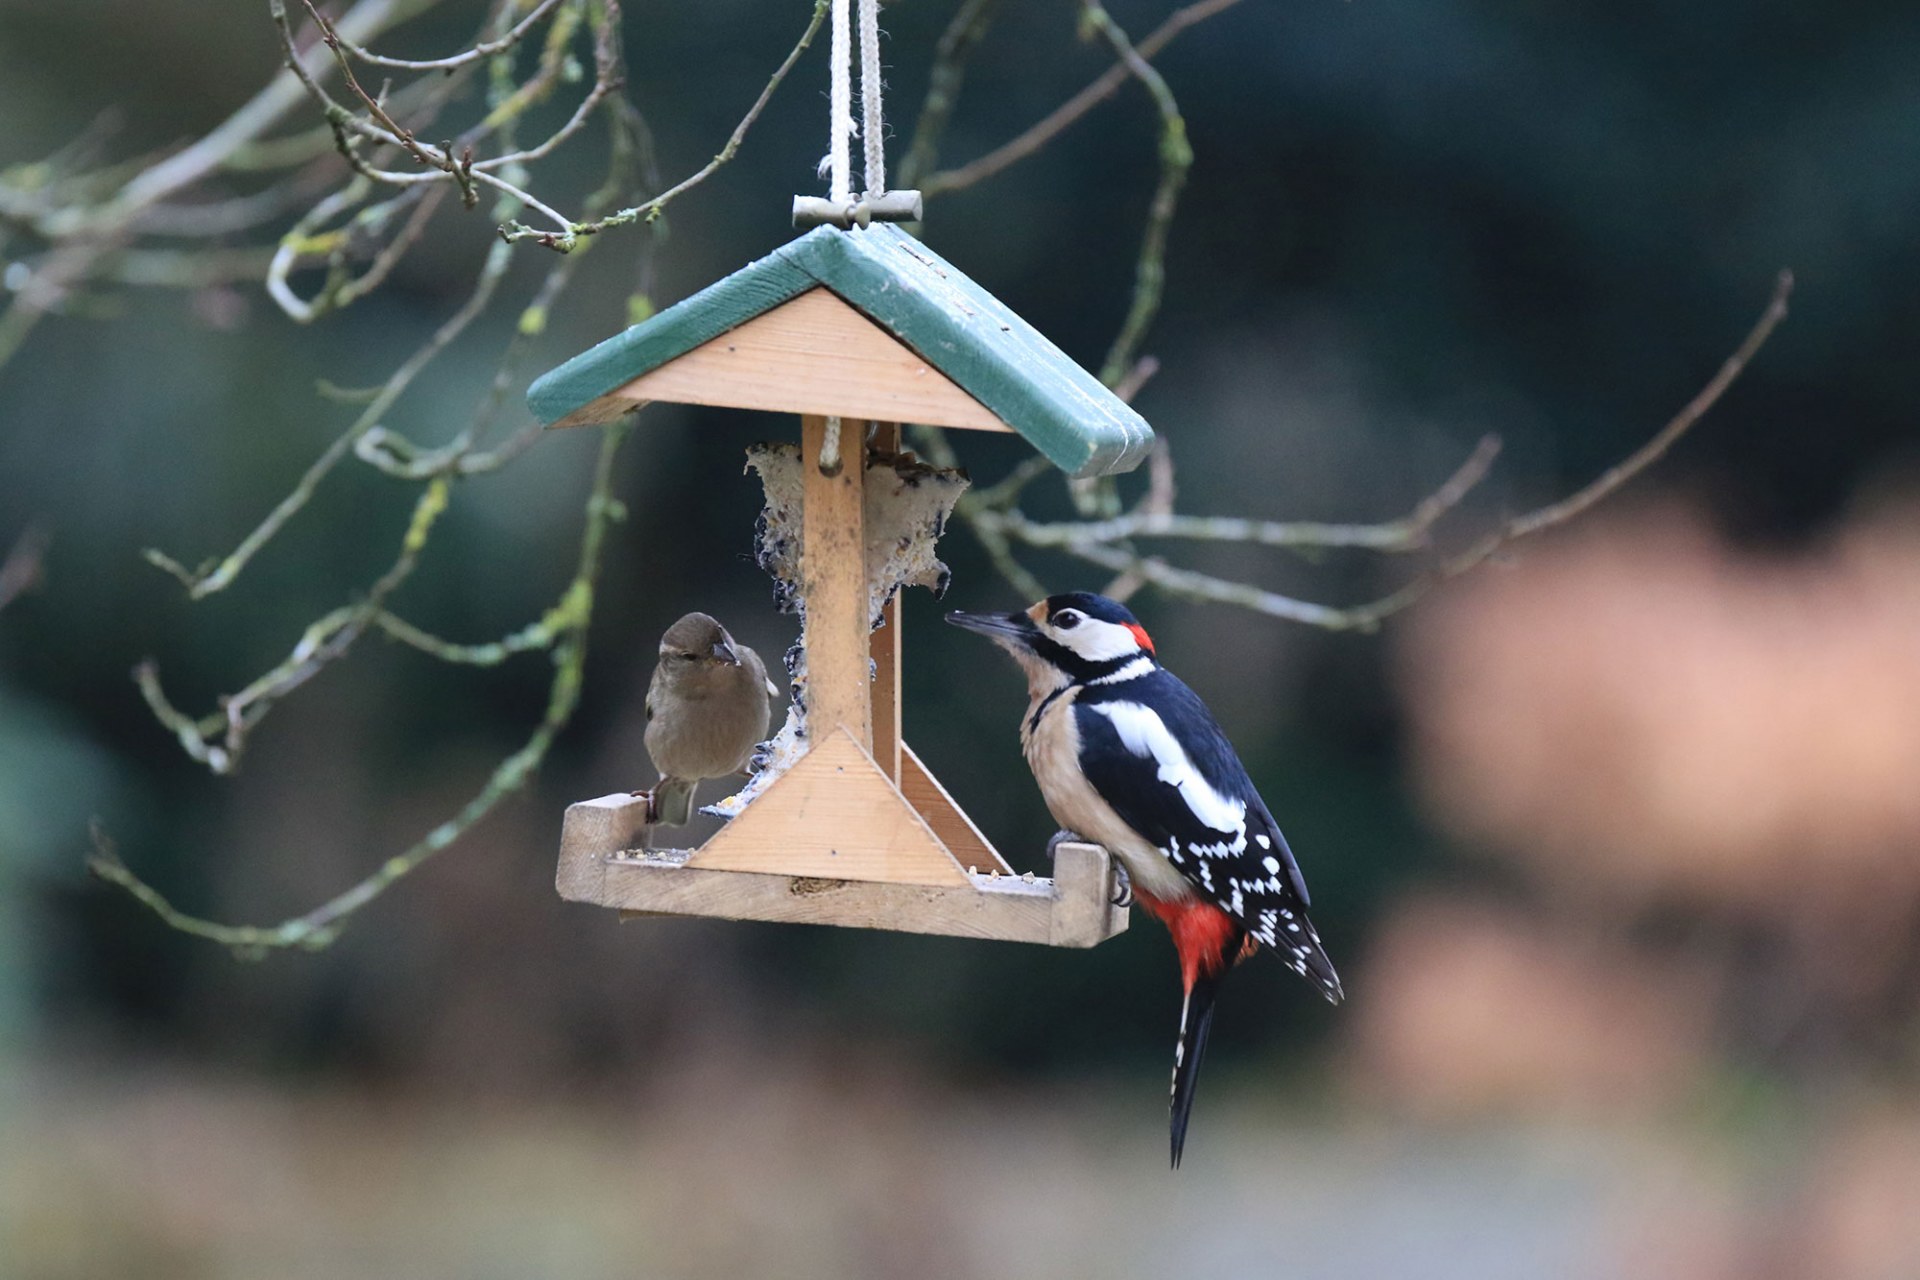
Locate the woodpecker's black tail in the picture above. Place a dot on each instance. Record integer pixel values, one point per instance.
(1310, 961)
(1196, 1020)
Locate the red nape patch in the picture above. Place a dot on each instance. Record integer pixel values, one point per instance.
(1140, 634)
(1201, 932)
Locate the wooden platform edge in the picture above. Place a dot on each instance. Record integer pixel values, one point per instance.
(1072, 909)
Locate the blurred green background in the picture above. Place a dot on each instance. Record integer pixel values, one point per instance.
(1615, 842)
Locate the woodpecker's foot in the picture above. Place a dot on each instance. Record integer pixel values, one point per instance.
(1122, 887)
(1060, 837)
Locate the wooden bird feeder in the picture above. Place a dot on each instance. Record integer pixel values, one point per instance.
(869, 327)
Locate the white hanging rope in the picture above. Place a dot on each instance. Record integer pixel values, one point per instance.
(841, 208)
(872, 117)
(840, 126)
(873, 124)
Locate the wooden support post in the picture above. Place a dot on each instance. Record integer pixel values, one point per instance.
(833, 567)
(885, 651)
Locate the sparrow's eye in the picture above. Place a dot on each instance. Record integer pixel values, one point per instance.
(1066, 619)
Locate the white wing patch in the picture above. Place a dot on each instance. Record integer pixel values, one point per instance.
(1144, 734)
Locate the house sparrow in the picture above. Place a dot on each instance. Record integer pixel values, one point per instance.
(707, 708)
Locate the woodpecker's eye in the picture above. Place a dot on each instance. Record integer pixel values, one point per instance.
(1066, 619)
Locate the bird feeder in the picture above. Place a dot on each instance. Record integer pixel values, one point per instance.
(856, 331)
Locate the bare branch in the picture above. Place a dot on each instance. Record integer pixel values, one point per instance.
(365, 20)
(566, 240)
(1128, 388)
(1368, 617)
(957, 43)
(221, 575)
(1653, 450)
(318, 928)
(1176, 157)
(340, 289)
(1102, 88)
(485, 49)
(1412, 532)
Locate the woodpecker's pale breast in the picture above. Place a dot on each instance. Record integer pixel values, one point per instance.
(1051, 740)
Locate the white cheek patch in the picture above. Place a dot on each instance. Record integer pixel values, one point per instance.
(1144, 734)
(1098, 641)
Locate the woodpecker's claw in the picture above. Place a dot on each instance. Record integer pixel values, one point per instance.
(1060, 837)
(1122, 887)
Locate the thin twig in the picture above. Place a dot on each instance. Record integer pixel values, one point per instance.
(1128, 388)
(86, 232)
(394, 129)
(220, 576)
(566, 240)
(342, 289)
(475, 53)
(1102, 88)
(1368, 617)
(944, 81)
(318, 928)
(366, 19)
(1653, 450)
(932, 444)
(1176, 157)
(1411, 532)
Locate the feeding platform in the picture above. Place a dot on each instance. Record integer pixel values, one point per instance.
(856, 331)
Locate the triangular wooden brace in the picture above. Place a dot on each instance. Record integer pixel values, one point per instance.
(834, 815)
(948, 820)
(815, 354)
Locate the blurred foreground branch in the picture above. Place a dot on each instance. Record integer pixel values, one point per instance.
(20, 570)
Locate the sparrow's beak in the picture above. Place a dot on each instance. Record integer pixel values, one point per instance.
(726, 653)
(996, 626)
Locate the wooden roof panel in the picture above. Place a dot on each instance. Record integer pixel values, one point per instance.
(913, 294)
(813, 354)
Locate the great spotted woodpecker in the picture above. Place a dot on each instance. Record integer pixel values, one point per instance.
(1127, 756)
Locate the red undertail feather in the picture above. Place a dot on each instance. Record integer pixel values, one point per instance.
(1209, 942)
(1201, 933)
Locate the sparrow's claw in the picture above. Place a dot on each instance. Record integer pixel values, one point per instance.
(651, 817)
(1060, 837)
(1122, 887)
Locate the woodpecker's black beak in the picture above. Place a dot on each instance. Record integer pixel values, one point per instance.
(724, 651)
(997, 626)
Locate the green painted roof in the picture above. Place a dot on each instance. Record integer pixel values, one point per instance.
(914, 294)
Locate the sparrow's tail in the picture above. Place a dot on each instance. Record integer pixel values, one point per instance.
(673, 801)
